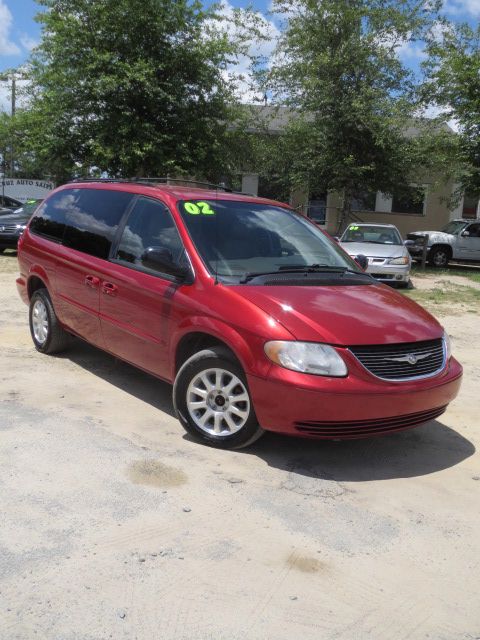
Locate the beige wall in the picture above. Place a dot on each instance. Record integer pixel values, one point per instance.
(436, 216)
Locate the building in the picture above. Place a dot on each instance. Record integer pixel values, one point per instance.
(427, 207)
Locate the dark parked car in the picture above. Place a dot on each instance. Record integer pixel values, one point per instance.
(12, 225)
(9, 203)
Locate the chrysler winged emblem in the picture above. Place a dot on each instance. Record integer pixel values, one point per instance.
(411, 358)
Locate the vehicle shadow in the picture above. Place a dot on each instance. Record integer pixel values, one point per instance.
(416, 452)
(120, 374)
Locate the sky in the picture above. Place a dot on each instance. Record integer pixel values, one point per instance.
(19, 32)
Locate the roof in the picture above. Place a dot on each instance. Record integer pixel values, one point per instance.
(373, 224)
(176, 192)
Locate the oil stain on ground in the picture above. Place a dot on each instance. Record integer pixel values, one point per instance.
(305, 564)
(155, 474)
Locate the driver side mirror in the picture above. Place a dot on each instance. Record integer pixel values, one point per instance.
(465, 234)
(362, 261)
(161, 259)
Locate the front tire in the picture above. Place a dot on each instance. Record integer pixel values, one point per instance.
(47, 334)
(213, 402)
(439, 257)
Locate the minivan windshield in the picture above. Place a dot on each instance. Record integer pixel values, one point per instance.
(235, 239)
(454, 227)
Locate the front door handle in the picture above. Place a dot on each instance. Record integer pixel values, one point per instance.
(92, 281)
(109, 289)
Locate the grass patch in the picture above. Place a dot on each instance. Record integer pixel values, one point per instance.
(447, 299)
(472, 273)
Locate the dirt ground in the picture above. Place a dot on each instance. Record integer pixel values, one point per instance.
(116, 525)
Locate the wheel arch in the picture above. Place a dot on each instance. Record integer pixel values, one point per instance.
(196, 337)
(442, 245)
(36, 280)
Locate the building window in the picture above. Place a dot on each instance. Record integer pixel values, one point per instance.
(317, 207)
(412, 203)
(363, 201)
(470, 206)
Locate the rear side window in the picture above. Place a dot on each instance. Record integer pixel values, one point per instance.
(49, 220)
(92, 218)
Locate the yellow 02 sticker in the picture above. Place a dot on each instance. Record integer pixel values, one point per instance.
(197, 208)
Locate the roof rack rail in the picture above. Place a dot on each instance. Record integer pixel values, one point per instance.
(162, 180)
(181, 181)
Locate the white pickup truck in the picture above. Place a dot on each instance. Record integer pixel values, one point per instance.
(458, 241)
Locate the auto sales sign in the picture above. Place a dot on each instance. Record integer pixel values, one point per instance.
(24, 189)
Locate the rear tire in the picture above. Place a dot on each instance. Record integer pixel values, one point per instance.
(47, 334)
(213, 402)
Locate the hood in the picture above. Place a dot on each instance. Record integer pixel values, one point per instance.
(372, 250)
(433, 236)
(14, 218)
(351, 315)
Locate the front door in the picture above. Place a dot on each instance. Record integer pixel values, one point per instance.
(138, 304)
(469, 245)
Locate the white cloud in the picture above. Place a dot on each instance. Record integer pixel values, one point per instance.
(7, 47)
(411, 51)
(255, 48)
(28, 42)
(434, 111)
(456, 7)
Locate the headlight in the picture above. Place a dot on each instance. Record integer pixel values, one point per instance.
(21, 226)
(448, 345)
(306, 357)
(400, 260)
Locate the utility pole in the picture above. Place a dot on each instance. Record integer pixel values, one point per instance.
(12, 75)
(14, 98)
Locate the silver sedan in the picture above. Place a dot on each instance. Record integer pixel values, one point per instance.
(388, 258)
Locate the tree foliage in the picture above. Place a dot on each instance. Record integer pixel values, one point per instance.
(453, 82)
(337, 66)
(133, 87)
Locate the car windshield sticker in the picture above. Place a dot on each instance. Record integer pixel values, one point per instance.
(195, 208)
(353, 228)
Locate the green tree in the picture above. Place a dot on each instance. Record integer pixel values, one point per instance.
(337, 67)
(132, 87)
(453, 82)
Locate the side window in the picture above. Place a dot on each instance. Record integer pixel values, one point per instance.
(92, 218)
(49, 219)
(149, 225)
(474, 230)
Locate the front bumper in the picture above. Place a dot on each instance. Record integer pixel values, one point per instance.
(388, 272)
(417, 251)
(357, 406)
(9, 240)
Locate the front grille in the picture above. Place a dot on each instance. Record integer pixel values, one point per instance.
(8, 229)
(365, 428)
(383, 276)
(402, 361)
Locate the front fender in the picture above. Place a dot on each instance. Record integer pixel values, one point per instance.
(246, 345)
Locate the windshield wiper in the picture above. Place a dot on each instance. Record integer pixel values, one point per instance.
(312, 268)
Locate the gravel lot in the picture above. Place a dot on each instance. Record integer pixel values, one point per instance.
(116, 525)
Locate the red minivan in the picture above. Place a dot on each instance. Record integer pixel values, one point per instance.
(258, 319)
